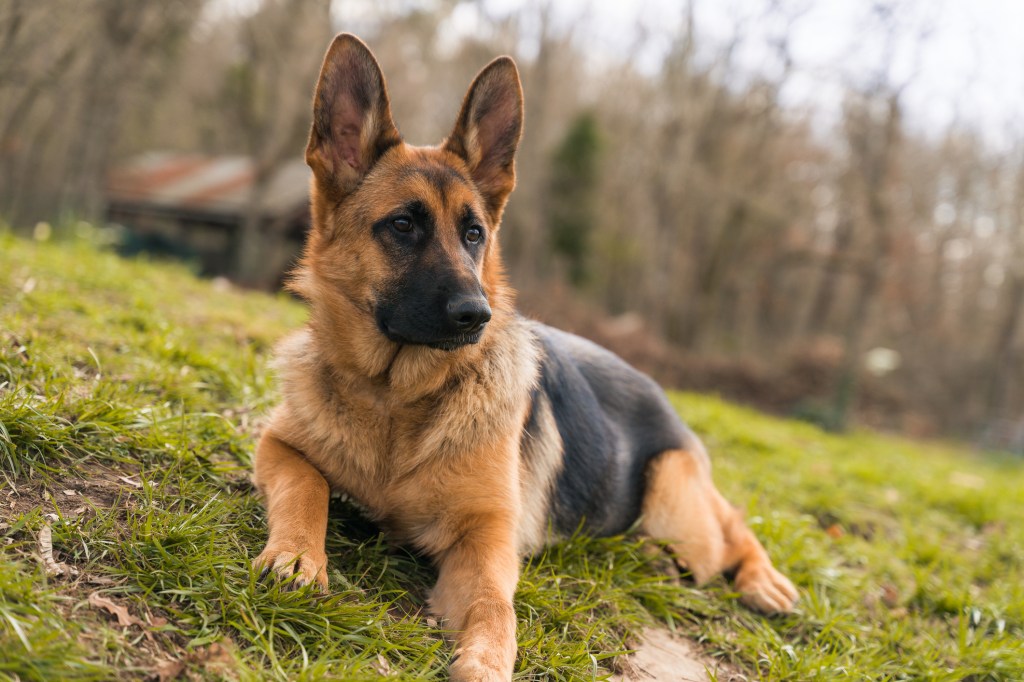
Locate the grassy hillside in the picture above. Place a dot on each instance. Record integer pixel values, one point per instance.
(129, 395)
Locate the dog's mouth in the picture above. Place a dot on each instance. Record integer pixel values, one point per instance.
(457, 342)
(449, 343)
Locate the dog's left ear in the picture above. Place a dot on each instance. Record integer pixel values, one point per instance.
(487, 132)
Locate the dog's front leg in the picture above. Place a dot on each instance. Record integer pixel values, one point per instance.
(474, 590)
(296, 496)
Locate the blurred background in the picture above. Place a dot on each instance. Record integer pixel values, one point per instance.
(814, 207)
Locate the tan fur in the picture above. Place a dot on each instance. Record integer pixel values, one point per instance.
(540, 464)
(296, 497)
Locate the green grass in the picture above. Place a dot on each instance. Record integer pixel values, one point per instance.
(138, 387)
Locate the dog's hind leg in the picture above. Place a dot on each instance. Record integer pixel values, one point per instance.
(705, 533)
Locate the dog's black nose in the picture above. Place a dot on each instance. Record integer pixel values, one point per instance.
(468, 314)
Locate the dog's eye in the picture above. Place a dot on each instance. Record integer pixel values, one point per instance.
(402, 224)
(474, 234)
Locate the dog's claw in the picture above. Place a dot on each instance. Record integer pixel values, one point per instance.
(298, 569)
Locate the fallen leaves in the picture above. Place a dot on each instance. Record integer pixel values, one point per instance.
(169, 670)
(124, 619)
(216, 659)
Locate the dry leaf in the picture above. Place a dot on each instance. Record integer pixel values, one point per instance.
(216, 658)
(169, 670)
(382, 666)
(835, 531)
(99, 580)
(124, 619)
(70, 493)
(890, 595)
(129, 481)
(51, 565)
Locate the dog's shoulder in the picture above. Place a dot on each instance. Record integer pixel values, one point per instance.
(295, 355)
(311, 409)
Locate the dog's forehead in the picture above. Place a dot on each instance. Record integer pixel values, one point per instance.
(430, 176)
(415, 175)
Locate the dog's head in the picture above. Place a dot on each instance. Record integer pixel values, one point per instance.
(408, 235)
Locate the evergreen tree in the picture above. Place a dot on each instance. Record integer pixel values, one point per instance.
(572, 195)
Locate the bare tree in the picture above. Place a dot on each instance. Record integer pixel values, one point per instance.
(267, 95)
(66, 87)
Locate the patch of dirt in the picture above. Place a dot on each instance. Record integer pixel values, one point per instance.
(89, 484)
(146, 650)
(665, 657)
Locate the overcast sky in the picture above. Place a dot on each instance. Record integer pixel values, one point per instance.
(963, 60)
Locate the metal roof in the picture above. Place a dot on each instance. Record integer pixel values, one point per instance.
(206, 184)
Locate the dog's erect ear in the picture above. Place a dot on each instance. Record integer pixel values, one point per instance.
(487, 131)
(352, 125)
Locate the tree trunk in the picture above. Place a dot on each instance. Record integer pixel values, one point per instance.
(1000, 375)
(825, 297)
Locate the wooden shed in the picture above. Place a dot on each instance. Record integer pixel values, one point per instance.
(192, 206)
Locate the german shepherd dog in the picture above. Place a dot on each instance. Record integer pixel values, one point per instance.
(465, 430)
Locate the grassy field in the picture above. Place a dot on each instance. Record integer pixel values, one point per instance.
(129, 396)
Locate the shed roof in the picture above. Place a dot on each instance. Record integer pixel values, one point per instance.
(198, 183)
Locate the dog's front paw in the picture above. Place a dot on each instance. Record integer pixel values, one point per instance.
(472, 664)
(765, 589)
(306, 567)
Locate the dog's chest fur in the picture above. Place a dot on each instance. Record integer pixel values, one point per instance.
(408, 458)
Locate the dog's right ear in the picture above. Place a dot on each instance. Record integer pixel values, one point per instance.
(352, 125)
